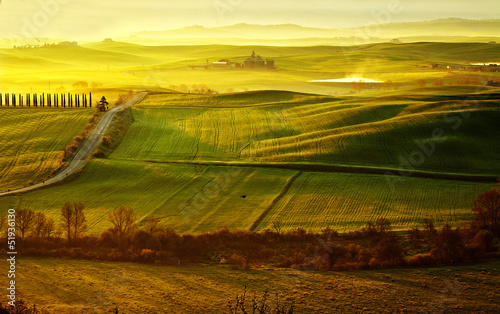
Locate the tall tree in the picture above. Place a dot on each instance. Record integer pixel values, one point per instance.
(123, 220)
(79, 220)
(24, 220)
(67, 217)
(486, 207)
(48, 228)
(39, 224)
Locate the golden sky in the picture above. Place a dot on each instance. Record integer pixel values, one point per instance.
(95, 19)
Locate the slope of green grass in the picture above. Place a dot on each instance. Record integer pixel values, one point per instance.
(195, 198)
(269, 128)
(347, 201)
(32, 142)
(188, 198)
(74, 286)
(391, 132)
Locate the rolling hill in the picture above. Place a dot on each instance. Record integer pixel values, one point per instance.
(246, 160)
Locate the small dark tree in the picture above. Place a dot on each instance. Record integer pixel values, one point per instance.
(333, 252)
(124, 221)
(48, 228)
(24, 220)
(277, 226)
(79, 221)
(449, 246)
(152, 224)
(389, 252)
(429, 232)
(40, 220)
(103, 104)
(421, 83)
(67, 218)
(265, 305)
(486, 207)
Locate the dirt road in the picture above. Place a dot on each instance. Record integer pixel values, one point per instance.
(86, 150)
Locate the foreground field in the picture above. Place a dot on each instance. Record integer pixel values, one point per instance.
(73, 286)
(32, 142)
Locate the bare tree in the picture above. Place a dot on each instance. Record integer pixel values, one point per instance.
(67, 217)
(79, 222)
(48, 228)
(278, 227)
(486, 207)
(24, 220)
(39, 224)
(152, 224)
(123, 220)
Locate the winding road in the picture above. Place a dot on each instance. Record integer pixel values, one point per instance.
(86, 150)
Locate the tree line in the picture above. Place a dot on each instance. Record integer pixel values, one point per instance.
(373, 246)
(48, 100)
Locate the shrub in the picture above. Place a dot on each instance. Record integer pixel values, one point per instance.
(420, 260)
(99, 154)
(106, 141)
(237, 261)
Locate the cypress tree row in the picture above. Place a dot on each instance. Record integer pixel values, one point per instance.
(48, 100)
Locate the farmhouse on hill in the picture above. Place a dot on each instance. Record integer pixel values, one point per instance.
(254, 62)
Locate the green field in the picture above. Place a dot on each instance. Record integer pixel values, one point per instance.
(284, 146)
(192, 198)
(190, 159)
(73, 286)
(266, 147)
(288, 127)
(32, 142)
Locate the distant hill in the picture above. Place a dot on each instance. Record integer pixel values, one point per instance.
(441, 30)
(441, 27)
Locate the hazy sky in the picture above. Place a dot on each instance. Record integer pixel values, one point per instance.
(95, 19)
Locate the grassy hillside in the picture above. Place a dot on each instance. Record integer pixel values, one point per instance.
(73, 286)
(193, 198)
(188, 198)
(32, 142)
(174, 162)
(287, 127)
(376, 129)
(347, 201)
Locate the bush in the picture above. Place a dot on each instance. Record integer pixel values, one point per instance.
(237, 261)
(106, 141)
(99, 154)
(421, 260)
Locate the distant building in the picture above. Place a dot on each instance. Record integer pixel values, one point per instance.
(255, 62)
(68, 44)
(492, 83)
(456, 67)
